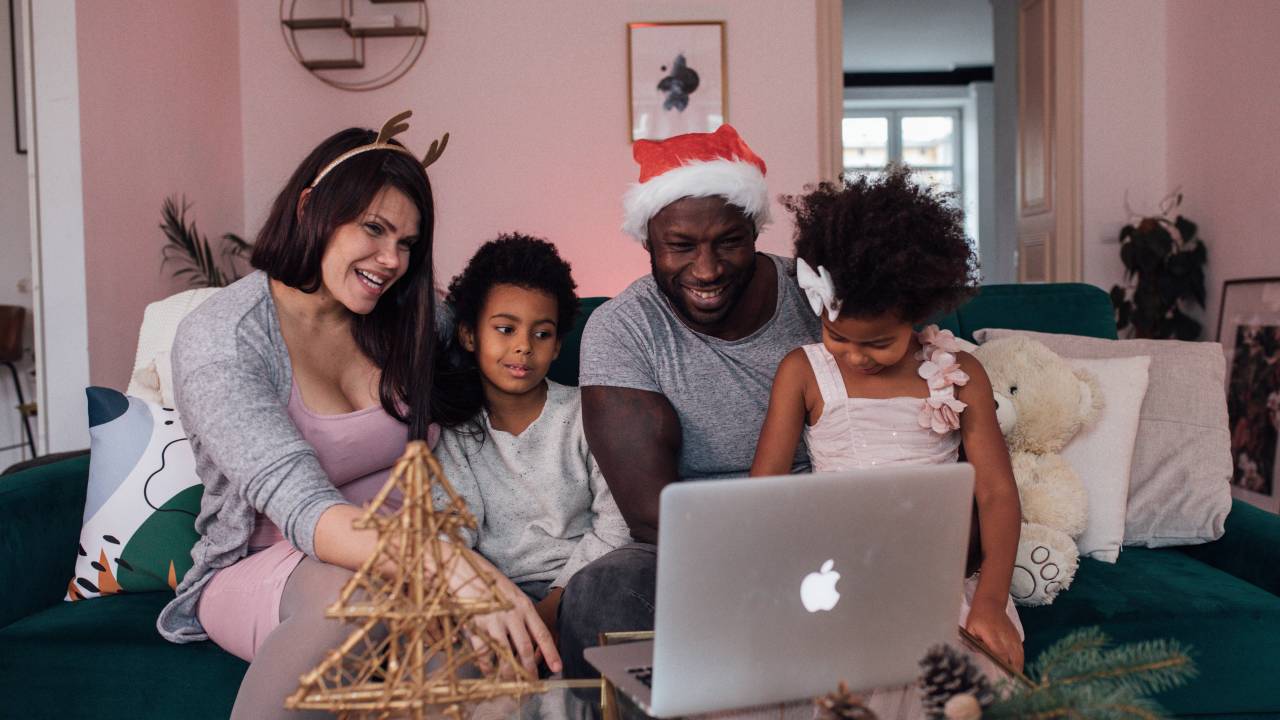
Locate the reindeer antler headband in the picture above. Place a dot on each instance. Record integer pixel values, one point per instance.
(390, 129)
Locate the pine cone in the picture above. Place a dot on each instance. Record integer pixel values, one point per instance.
(945, 672)
(842, 705)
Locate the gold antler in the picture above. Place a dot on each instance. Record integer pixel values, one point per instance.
(393, 127)
(435, 151)
(390, 129)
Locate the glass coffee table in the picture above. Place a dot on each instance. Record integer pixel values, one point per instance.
(902, 702)
(585, 699)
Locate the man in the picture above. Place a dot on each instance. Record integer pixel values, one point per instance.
(676, 370)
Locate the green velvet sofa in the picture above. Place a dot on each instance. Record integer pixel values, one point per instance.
(103, 658)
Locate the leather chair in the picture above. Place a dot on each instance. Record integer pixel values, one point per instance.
(12, 323)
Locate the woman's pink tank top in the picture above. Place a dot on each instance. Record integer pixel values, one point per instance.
(356, 450)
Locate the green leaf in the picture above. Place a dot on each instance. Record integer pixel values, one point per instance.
(192, 253)
(1186, 227)
(1129, 256)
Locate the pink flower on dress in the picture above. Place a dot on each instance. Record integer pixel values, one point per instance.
(942, 370)
(941, 414)
(941, 410)
(931, 336)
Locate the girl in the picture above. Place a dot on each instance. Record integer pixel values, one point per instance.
(299, 386)
(877, 257)
(542, 507)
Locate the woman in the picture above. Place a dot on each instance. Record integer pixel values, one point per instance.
(299, 386)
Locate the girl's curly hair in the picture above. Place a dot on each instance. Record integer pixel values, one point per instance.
(511, 259)
(889, 244)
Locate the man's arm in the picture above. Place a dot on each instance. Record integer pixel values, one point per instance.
(635, 438)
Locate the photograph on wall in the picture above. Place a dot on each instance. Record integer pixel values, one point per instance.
(1249, 330)
(677, 78)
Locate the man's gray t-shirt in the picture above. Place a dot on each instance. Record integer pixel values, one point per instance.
(719, 388)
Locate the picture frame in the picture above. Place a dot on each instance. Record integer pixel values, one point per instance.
(18, 74)
(1249, 330)
(677, 78)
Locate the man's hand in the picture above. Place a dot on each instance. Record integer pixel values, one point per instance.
(989, 623)
(635, 437)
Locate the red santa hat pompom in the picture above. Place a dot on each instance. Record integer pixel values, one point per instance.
(695, 165)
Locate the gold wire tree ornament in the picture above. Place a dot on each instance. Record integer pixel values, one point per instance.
(416, 647)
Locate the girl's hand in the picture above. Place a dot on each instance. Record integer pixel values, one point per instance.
(989, 623)
(520, 628)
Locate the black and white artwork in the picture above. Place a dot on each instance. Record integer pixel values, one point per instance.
(677, 82)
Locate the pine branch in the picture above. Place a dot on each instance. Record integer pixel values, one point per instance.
(1124, 667)
(1081, 701)
(1084, 642)
(1080, 677)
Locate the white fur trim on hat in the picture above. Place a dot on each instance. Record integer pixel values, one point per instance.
(740, 183)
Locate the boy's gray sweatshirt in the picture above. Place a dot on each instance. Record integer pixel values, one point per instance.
(541, 504)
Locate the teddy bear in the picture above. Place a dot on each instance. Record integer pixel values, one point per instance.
(1041, 403)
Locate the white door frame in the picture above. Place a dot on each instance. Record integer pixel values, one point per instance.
(57, 224)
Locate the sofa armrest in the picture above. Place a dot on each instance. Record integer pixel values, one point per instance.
(1248, 549)
(41, 511)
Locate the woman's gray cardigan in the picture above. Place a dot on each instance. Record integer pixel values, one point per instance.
(232, 382)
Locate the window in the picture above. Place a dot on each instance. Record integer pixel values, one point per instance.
(928, 140)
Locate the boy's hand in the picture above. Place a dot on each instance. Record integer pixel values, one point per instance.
(521, 628)
(989, 623)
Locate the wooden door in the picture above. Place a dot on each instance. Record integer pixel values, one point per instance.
(1048, 140)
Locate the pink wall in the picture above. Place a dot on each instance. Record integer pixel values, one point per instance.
(1124, 127)
(1224, 133)
(159, 114)
(535, 97)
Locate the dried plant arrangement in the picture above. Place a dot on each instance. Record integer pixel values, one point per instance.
(415, 650)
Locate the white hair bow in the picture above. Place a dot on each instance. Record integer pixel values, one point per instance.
(819, 288)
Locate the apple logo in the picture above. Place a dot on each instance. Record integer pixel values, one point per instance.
(818, 591)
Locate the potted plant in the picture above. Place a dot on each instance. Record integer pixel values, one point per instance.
(194, 254)
(1164, 274)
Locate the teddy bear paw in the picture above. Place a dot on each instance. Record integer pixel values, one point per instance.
(1045, 565)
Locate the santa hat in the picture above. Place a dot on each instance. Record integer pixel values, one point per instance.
(695, 165)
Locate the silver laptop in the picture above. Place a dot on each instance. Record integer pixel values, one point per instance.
(775, 589)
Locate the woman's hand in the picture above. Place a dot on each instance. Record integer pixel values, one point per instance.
(519, 628)
(990, 624)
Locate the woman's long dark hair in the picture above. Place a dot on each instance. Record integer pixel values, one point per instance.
(399, 335)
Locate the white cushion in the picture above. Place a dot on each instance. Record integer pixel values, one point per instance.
(1101, 453)
(152, 379)
(1179, 482)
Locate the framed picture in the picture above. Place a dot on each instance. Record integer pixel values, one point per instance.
(17, 68)
(676, 78)
(1249, 330)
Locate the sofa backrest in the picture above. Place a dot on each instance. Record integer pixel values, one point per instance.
(1067, 308)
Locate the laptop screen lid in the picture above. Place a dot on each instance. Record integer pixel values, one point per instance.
(773, 589)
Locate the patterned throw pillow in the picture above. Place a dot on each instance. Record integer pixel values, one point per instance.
(142, 499)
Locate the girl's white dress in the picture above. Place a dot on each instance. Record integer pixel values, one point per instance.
(872, 432)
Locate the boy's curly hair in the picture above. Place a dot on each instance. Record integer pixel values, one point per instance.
(889, 244)
(511, 259)
(520, 260)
